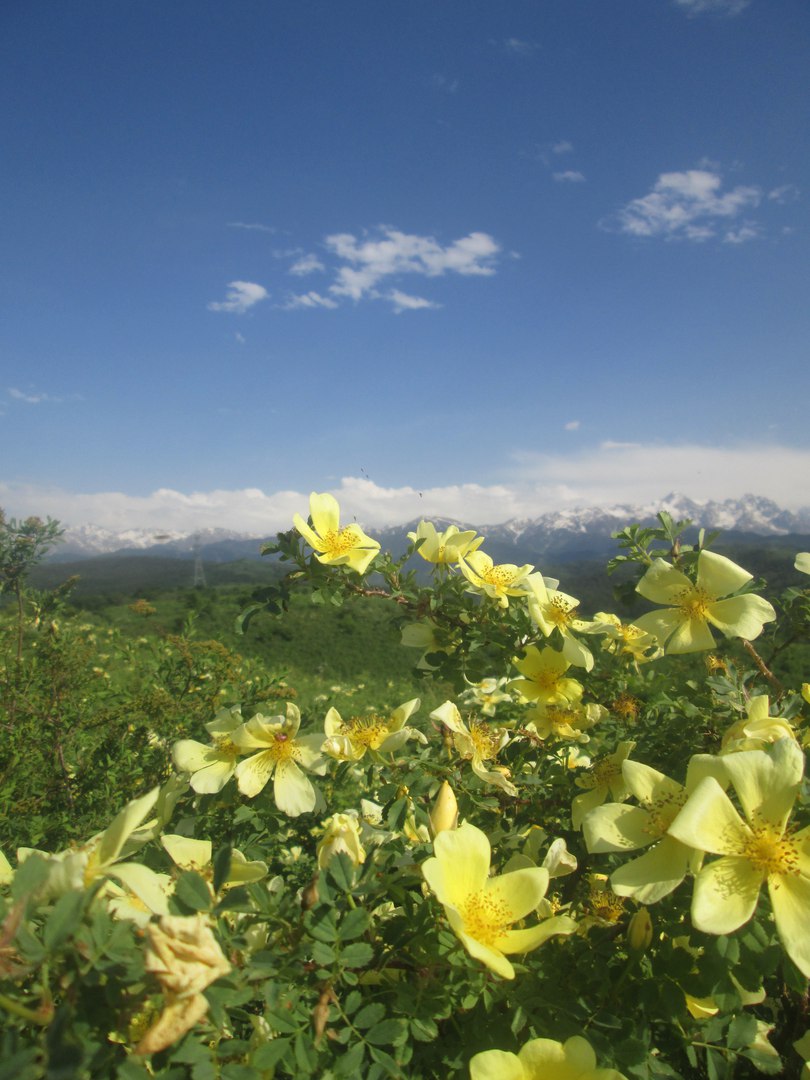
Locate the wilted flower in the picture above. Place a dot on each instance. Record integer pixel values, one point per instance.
(185, 957)
(332, 545)
(542, 1059)
(684, 626)
(480, 908)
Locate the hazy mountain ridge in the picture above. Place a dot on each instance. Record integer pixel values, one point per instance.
(569, 533)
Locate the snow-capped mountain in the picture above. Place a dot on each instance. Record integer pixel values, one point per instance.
(565, 534)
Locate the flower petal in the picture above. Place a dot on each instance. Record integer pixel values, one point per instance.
(617, 827)
(518, 892)
(123, 825)
(253, 773)
(655, 874)
(325, 513)
(718, 575)
(294, 794)
(741, 616)
(521, 941)
(460, 865)
(725, 896)
(496, 1065)
(790, 899)
(709, 821)
(663, 584)
(767, 783)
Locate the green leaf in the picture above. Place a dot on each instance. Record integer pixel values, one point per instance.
(352, 1002)
(388, 1033)
(742, 1031)
(369, 1016)
(269, 1054)
(386, 1061)
(192, 890)
(357, 955)
(222, 866)
(341, 871)
(355, 924)
(321, 926)
(29, 876)
(424, 1029)
(65, 918)
(350, 1062)
(323, 954)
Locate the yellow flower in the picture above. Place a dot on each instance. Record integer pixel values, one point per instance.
(481, 909)
(332, 545)
(757, 729)
(802, 562)
(486, 694)
(444, 548)
(342, 835)
(212, 766)
(564, 720)
(602, 779)
(552, 610)
(197, 855)
(759, 847)
(618, 827)
(684, 627)
(444, 813)
(543, 679)
(497, 582)
(542, 1059)
(802, 1048)
(348, 740)
(625, 639)
(479, 742)
(282, 755)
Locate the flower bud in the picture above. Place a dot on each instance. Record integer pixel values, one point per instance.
(639, 932)
(341, 835)
(444, 814)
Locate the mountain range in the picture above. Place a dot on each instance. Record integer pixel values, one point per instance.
(560, 535)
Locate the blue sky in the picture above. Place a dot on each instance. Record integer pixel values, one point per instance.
(436, 256)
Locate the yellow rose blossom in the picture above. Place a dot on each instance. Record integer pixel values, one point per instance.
(625, 639)
(190, 854)
(478, 742)
(602, 779)
(619, 827)
(486, 695)
(802, 1048)
(282, 754)
(755, 848)
(757, 729)
(563, 721)
(497, 582)
(341, 835)
(481, 909)
(683, 627)
(211, 766)
(542, 1059)
(544, 680)
(802, 562)
(552, 610)
(332, 545)
(444, 548)
(348, 740)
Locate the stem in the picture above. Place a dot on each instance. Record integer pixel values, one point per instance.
(763, 669)
(16, 1009)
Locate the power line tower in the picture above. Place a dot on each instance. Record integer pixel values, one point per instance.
(199, 569)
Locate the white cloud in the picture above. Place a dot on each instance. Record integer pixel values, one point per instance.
(307, 264)
(572, 425)
(786, 193)
(562, 147)
(404, 302)
(612, 474)
(687, 204)
(519, 47)
(240, 338)
(713, 7)
(366, 262)
(444, 83)
(241, 296)
(310, 299)
(570, 176)
(747, 231)
(36, 397)
(253, 226)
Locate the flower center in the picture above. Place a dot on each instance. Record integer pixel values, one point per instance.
(224, 745)
(486, 741)
(694, 603)
(498, 576)
(772, 851)
(602, 774)
(559, 612)
(282, 748)
(339, 543)
(486, 917)
(367, 731)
